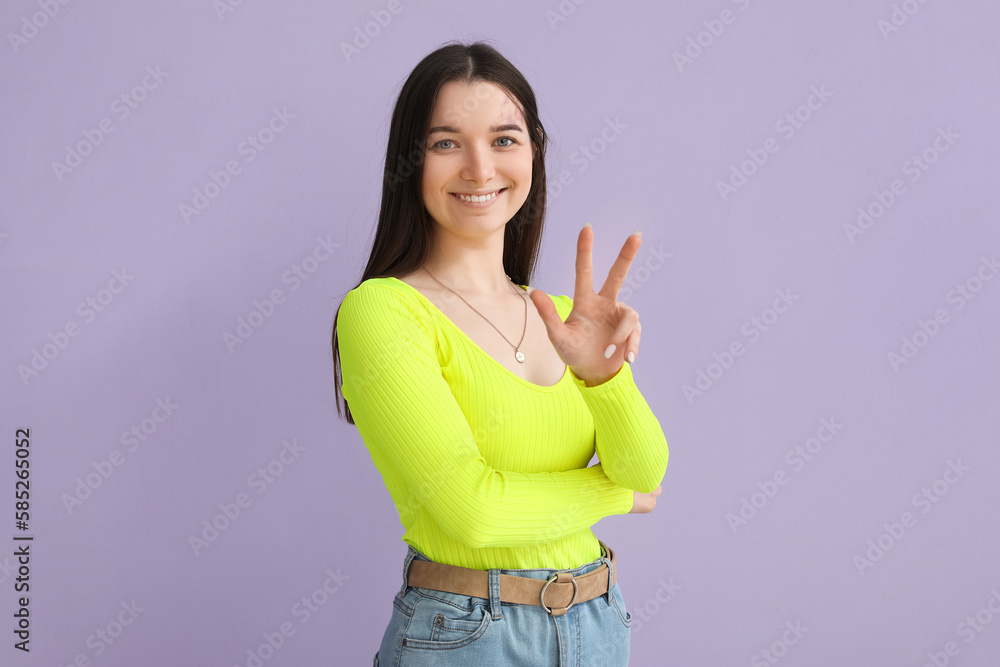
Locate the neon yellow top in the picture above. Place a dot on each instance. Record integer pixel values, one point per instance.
(486, 469)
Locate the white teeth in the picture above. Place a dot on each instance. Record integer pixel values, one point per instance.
(478, 199)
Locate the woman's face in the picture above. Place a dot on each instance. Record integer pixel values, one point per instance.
(477, 145)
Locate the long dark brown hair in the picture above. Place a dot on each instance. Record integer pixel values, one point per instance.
(405, 232)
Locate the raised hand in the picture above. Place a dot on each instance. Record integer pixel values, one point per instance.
(598, 322)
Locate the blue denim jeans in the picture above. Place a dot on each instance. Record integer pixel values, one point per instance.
(445, 629)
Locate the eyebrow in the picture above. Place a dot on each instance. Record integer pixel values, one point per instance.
(510, 127)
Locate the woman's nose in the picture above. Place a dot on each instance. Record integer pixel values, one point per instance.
(479, 165)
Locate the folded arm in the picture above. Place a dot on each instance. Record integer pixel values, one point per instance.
(629, 439)
(417, 433)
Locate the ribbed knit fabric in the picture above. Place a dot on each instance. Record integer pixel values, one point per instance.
(486, 469)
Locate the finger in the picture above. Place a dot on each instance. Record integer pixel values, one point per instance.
(632, 344)
(619, 270)
(624, 330)
(584, 264)
(547, 311)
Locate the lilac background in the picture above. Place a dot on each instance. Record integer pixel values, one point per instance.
(681, 130)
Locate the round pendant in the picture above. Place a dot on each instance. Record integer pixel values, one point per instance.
(519, 356)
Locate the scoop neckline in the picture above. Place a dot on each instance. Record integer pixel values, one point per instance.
(475, 345)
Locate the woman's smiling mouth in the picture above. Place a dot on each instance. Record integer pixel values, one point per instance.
(478, 199)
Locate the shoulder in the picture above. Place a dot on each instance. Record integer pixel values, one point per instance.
(382, 289)
(384, 337)
(383, 304)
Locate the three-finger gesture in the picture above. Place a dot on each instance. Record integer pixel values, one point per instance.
(600, 333)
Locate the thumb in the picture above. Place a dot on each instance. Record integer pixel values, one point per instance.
(546, 310)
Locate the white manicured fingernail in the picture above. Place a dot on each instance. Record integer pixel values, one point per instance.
(610, 350)
(631, 357)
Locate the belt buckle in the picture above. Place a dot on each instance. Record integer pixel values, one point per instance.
(563, 610)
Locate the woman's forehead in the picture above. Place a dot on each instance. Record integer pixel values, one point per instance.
(479, 101)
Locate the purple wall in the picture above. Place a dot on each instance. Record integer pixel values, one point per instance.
(816, 187)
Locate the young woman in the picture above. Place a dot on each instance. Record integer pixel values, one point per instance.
(480, 411)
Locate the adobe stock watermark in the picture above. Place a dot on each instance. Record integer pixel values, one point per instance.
(898, 17)
(787, 126)
(263, 310)
(639, 274)
(926, 499)
(563, 11)
(29, 27)
(968, 629)
(697, 43)
(883, 200)
(585, 155)
(223, 7)
(753, 329)
(102, 639)
(576, 517)
(105, 468)
(88, 310)
(249, 148)
(260, 481)
(928, 329)
(381, 18)
(772, 655)
(302, 610)
(642, 614)
(796, 458)
(122, 107)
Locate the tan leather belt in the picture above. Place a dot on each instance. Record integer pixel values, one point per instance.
(557, 594)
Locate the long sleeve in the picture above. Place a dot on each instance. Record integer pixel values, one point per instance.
(629, 440)
(422, 444)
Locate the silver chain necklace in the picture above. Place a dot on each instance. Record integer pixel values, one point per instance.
(517, 353)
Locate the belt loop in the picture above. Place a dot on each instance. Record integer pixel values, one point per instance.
(495, 594)
(410, 555)
(611, 571)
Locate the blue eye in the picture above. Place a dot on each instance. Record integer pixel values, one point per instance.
(439, 145)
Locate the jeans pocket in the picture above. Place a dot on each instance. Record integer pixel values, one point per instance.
(618, 601)
(444, 621)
